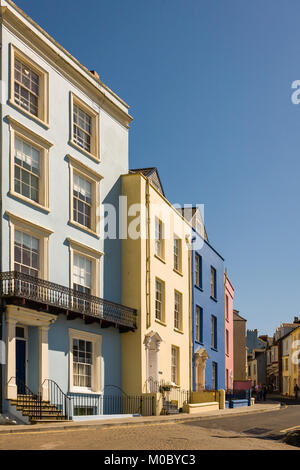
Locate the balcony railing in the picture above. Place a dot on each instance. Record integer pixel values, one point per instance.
(15, 285)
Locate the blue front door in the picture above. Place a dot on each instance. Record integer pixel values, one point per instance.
(21, 366)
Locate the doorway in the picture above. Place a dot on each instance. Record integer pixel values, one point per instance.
(21, 359)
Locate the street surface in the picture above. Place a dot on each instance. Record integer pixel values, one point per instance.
(257, 431)
(272, 425)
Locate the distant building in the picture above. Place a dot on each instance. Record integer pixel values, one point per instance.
(257, 364)
(239, 348)
(275, 357)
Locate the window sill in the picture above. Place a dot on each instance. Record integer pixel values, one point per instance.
(178, 272)
(213, 298)
(31, 116)
(214, 349)
(199, 288)
(28, 201)
(160, 322)
(159, 258)
(84, 228)
(91, 155)
(84, 391)
(179, 331)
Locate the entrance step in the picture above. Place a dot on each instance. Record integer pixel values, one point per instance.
(36, 410)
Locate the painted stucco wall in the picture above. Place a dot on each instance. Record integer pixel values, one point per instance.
(229, 293)
(295, 368)
(113, 151)
(202, 298)
(239, 347)
(114, 162)
(59, 352)
(134, 272)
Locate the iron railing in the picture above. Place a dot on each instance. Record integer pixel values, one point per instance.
(29, 403)
(57, 398)
(173, 396)
(14, 284)
(84, 405)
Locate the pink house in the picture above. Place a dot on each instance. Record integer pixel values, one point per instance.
(228, 306)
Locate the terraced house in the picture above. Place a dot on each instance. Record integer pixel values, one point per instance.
(156, 282)
(64, 146)
(208, 330)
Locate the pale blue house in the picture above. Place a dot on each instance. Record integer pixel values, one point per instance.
(64, 147)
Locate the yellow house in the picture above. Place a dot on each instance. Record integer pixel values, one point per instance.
(295, 360)
(156, 282)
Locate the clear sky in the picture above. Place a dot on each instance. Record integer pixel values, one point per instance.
(209, 85)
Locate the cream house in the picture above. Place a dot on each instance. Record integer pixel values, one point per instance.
(156, 282)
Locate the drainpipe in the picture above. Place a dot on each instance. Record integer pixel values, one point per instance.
(148, 277)
(191, 294)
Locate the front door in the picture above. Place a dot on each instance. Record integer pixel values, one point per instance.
(21, 365)
(153, 365)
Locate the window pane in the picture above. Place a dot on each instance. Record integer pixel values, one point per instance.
(27, 169)
(26, 253)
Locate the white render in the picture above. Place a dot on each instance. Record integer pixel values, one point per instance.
(113, 145)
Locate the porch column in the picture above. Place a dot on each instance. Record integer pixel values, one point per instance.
(11, 386)
(43, 361)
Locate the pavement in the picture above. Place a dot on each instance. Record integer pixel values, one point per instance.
(263, 407)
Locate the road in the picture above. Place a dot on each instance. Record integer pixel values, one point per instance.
(271, 425)
(249, 432)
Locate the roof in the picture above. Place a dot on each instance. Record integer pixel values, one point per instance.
(39, 40)
(152, 174)
(238, 316)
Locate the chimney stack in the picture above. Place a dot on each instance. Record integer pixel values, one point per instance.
(96, 75)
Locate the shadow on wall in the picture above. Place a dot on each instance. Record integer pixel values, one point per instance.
(112, 262)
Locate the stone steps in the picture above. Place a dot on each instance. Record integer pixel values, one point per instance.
(37, 411)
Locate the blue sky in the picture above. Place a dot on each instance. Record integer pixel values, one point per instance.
(209, 85)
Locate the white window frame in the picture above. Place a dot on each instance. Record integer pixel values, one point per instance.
(94, 151)
(42, 233)
(179, 313)
(159, 253)
(91, 254)
(176, 365)
(43, 146)
(178, 255)
(75, 166)
(161, 282)
(43, 100)
(97, 379)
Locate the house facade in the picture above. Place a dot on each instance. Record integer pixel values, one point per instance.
(240, 370)
(64, 146)
(286, 366)
(228, 308)
(257, 363)
(156, 282)
(208, 361)
(294, 362)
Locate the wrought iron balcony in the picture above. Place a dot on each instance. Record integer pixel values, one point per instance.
(19, 288)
